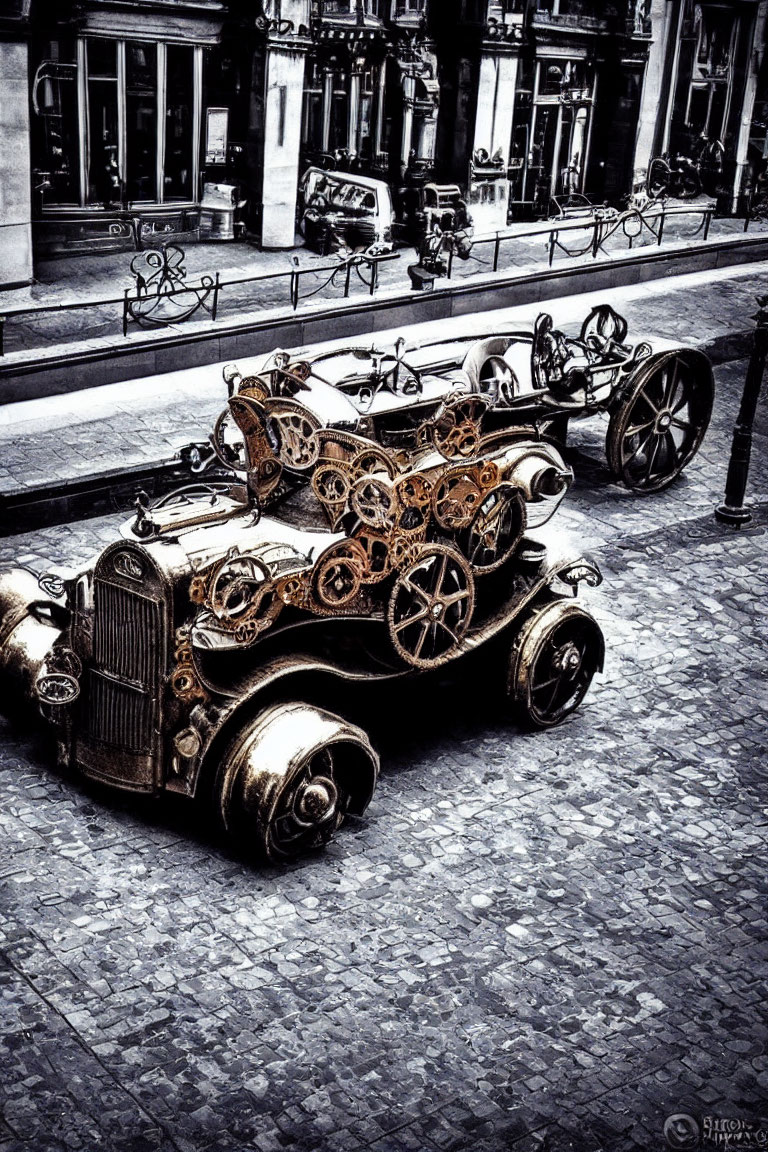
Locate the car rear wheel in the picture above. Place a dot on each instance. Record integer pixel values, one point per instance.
(554, 656)
(660, 424)
(290, 779)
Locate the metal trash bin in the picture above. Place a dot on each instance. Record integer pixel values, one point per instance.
(217, 212)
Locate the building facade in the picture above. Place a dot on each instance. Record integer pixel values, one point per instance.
(118, 114)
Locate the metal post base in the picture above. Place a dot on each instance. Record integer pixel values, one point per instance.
(733, 516)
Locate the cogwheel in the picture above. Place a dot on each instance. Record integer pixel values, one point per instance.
(415, 491)
(488, 474)
(197, 587)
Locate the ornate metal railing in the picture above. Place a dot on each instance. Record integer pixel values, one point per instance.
(575, 238)
(162, 296)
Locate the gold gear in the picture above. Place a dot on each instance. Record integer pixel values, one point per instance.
(456, 498)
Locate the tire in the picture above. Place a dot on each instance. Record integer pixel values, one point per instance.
(290, 778)
(660, 424)
(553, 659)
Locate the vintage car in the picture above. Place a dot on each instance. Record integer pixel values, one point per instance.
(357, 538)
(658, 396)
(344, 210)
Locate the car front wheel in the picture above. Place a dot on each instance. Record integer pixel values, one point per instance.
(290, 779)
(554, 656)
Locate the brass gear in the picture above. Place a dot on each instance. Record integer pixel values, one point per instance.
(371, 460)
(456, 498)
(376, 546)
(374, 500)
(338, 575)
(331, 483)
(293, 429)
(414, 490)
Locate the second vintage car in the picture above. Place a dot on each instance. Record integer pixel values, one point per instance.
(658, 396)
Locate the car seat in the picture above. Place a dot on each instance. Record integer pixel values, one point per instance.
(603, 330)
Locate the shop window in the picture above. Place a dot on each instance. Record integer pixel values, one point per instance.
(566, 79)
(339, 123)
(179, 145)
(103, 140)
(331, 8)
(711, 74)
(55, 126)
(116, 123)
(141, 121)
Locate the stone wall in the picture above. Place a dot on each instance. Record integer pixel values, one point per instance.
(15, 204)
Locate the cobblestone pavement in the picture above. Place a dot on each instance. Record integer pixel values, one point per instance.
(107, 276)
(61, 438)
(532, 942)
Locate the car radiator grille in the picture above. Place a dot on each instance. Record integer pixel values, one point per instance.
(120, 714)
(127, 641)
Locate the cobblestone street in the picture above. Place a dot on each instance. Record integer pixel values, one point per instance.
(532, 942)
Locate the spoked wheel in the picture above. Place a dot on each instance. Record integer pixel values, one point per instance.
(291, 777)
(661, 423)
(496, 528)
(430, 606)
(554, 658)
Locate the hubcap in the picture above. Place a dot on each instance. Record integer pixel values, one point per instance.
(567, 659)
(663, 421)
(316, 801)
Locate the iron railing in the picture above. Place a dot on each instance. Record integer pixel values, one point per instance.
(206, 292)
(568, 238)
(592, 234)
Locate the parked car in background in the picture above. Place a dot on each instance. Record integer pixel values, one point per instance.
(343, 210)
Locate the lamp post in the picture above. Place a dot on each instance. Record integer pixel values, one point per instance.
(732, 510)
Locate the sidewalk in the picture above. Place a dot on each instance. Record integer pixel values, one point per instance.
(64, 438)
(87, 279)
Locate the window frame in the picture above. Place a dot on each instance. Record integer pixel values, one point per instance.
(86, 142)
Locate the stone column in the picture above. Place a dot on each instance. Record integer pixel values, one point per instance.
(284, 92)
(754, 59)
(15, 169)
(652, 105)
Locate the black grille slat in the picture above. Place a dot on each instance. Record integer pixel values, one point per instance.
(120, 714)
(126, 634)
(123, 686)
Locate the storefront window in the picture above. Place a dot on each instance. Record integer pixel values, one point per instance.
(141, 121)
(349, 7)
(116, 122)
(710, 83)
(339, 122)
(103, 152)
(55, 126)
(178, 124)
